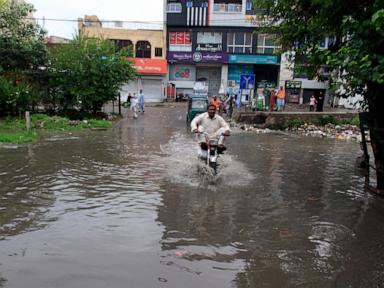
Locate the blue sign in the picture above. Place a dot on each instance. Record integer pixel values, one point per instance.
(252, 59)
(247, 81)
(234, 72)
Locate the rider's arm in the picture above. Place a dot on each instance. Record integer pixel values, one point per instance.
(195, 122)
(225, 126)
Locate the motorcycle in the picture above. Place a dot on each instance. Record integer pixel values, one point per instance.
(209, 150)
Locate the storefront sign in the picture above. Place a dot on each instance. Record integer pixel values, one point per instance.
(209, 47)
(252, 59)
(293, 84)
(182, 73)
(150, 66)
(197, 57)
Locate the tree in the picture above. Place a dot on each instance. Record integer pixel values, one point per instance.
(87, 73)
(21, 40)
(356, 54)
(22, 53)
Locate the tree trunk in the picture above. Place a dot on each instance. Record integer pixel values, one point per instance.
(375, 100)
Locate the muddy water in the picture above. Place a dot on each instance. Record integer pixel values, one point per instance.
(132, 207)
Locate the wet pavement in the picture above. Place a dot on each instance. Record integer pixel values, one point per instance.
(132, 207)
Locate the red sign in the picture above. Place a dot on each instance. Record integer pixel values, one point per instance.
(172, 38)
(150, 66)
(176, 38)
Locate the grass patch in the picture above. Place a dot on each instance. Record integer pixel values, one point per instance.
(18, 137)
(13, 130)
(43, 121)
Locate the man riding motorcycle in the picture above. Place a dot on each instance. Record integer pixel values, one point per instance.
(212, 125)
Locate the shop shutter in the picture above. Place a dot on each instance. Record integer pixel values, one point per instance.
(152, 90)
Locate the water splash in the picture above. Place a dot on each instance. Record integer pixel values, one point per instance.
(183, 166)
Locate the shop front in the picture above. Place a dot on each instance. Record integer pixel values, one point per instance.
(185, 68)
(151, 74)
(264, 69)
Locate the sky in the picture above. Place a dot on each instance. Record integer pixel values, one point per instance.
(122, 10)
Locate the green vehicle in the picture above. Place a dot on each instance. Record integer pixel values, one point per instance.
(196, 105)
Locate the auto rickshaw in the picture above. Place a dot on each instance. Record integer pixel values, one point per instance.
(197, 104)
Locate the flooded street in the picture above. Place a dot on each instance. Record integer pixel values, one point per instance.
(129, 207)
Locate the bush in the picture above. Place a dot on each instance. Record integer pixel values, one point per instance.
(295, 123)
(13, 99)
(327, 119)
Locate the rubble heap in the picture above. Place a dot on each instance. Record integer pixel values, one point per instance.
(340, 132)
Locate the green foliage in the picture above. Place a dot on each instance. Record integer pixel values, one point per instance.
(13, 130)
(295, 123)
(87, 73)
(21, 40)
(351, 121)
(356, 56)
(327, 119)
(22, 53)
(18, 137)
(14, 99)
(43, 121)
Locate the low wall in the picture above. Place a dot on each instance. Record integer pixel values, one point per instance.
(276, 119)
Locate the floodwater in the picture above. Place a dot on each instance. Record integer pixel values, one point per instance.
(132, 207)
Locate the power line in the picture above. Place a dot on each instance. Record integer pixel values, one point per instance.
(237, 20)
(94, 21)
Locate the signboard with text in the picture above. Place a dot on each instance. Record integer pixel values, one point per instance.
(197, 57)
(293, 84)
(150, 66)
(252, 59)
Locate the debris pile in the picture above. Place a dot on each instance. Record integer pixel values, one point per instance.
(340, 132)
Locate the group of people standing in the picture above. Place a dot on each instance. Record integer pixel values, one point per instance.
(135, 103)
(269, 100)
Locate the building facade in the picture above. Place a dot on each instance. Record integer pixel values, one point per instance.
(148, 54)
(217, 41)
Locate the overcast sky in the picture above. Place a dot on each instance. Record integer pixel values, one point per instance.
(123, 10)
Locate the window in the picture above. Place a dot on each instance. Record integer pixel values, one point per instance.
(158, 52)
(248, 6)
(266, 44)
(143, 49)
(174, 8)
(123, 44)
(227, 6)
(180, 41)
(239, 42)
(209, 41)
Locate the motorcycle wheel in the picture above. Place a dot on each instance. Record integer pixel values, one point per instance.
(213, 165)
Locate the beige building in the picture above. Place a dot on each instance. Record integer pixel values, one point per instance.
(147, 47)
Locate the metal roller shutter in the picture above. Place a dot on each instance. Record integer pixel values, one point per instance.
(152, 89)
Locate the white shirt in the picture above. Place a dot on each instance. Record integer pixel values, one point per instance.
(210, 125)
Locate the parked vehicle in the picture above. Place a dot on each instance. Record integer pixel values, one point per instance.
(197, 104)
